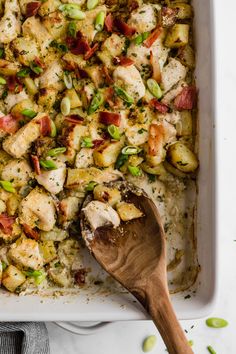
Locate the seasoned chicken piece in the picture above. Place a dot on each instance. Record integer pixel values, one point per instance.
(25, 253)
(84, 158)
(137, 134)
(10, 22)
(111, 47)
(143, 19)
(48, 7)
(52, 76)
(37, 209)
(175, 91)
(53, 180)
(18, 172)
(172, 73)
(25, 49)
(19, 143)
(13, 98)
(33, 28)
(69, 209)
(86, 26)
(100, 214)
(12, 277)
(8, 68)
(130, 79)
(56, 24)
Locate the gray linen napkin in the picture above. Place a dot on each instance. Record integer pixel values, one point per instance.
(23, 338)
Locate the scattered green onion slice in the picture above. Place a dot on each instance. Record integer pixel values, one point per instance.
(90, 186)
(2, 81)
(216, 322)
(72, 11)
(32, 273)
(53, 129)
(135, 171)
(65, 106)
(130, 150)
(61, 46)
(40, 278)
(67, 80)
(4, 265)
(72, 29)
(190, 342)
(23, 72)
(1, 53)
(96, 102)
(123, 94)
(87, 142)
(91, 4)
(141, 38)
(7, 186)
(149, 343)
(48, 164)
(154, 88)
(99, 21)
(121, 160)
(114, 131)
(35, 68)
(29, 113)
(211, 350)
(56, 151)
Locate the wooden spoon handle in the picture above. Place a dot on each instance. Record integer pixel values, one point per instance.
(163, 315)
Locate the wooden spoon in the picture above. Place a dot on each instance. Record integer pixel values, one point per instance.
(134, 254)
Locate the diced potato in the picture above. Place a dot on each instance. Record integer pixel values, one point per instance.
(128, 211)
(24, 104)
(184, 10)
(47, 97)
(174, 171)
(186, 56)
(143, 19)
(172, 73)
(184, 126)
(106, 154)
(56, 24)
(48, 6)
(48, 251)
(73, 97)
(61, 276)
(55, 234)
(114, 45)
(2, 206)
(181, 157)
(12, 204)
(108, 195)
(74, 61)
(95, 73)
(69, 209)
(8, 68)
(26, 50)
(154, 170)
(12, 278)
(18, 172)
(177, 36)
(135, 160)
(72, 136)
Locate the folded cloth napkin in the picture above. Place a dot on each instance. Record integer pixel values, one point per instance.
(23, 338)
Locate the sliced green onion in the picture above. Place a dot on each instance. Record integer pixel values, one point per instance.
(32, 273)
(2, 81)
(67, 80)
(99, 21)
(87, 142)
(4, 265)
(40, 278)
(130, 150)
(53, 129)
(154, 88)
(1, 53)
(29, 113)
(7, 186)
(114, 132)
(23, 72)
(121, 160)
(216, 322)
(141, 38)
(123, 94)
(211, 350)
(135, 171)
(61, 46)
(190, 342)
(72, 29)
(90, 186)
(35, 68)
(72, 11)
(91, 4)
(56, 151)
(65, 106)
(96, 102)
(48, 164)
(149, 343)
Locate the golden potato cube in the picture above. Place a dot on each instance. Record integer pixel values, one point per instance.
(184, 126)
(184, 10)
(181, 157)
(177, 36)
(73, 97)
(48, 251)
(30, 86)
(108, 195)
(8, 68)
(106, 155)
(12, 278)
(128, 211)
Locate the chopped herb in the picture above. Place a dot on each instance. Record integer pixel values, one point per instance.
(211, 350)
(121, 160)
(1, 53)
(35, 68)
(56, 151)
(142, 130)
(86, 142)
(23, 72)
(151, 178)
(90, 186)
(124, 95)
(7, 186)
(141, 38)
(60, 46)
(114, 132)
(216, 322)
(72, 29)
(4, 265)
(187, 297)
(48, 164)
(29, 113)
(135, 171)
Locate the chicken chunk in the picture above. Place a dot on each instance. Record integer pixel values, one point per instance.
(10, 22)
(128, 211)
(18, 172)
(19, 143)
(52, 76)
(111, 47)
(143, 19)
(130, 79)
(69, 209)
(172, 73)
(26, 49)
(48, 7)
(37, 209)
(84, 158)
(12, 278)
(137, 134)
(86, 26)
(100, 214)
(56, 24)
(13, 98)
(53, 180)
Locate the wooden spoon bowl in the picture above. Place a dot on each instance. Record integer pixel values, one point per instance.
(134, 254)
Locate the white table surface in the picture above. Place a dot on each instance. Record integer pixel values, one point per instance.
(126, 337)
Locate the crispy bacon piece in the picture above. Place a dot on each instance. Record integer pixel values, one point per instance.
(74, 119)
(32, 8)
(45, 126)
(31, 233)
(123, 28)
(110, 118)
(152, 37)
(155, 139)
(160, 107)
(187, 98)
(14, 84)
(80, 276)
(9, 124)
(97, 143)
(124, 61)
(6, 223)
(90, 51)
(36, 164)
(156, 71)
(108, 78)
(133, 5)
(78, 45)
(39, 62)
(109, 22)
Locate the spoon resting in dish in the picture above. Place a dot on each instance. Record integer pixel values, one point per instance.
(133, 252)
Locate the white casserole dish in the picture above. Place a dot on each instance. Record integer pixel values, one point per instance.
(91, 306)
